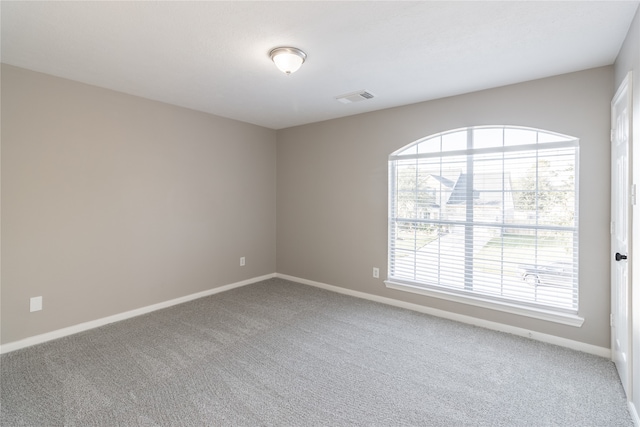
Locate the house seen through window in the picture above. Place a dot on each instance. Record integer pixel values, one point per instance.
(487, 212)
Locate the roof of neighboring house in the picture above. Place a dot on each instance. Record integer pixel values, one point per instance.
(444, 181)
(496, 181)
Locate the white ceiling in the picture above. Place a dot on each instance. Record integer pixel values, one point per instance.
(213, 56)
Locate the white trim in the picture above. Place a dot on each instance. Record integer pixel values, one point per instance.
(634, 414)
(536, 313)
(575, 345)
(538, 336)
(81, 327)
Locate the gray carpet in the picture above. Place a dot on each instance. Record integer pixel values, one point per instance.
(280, 353)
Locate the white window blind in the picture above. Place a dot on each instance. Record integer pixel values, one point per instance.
(489, 212)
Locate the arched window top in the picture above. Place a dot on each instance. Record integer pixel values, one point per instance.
(480, 138)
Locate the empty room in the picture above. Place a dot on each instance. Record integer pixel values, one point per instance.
(271, 213)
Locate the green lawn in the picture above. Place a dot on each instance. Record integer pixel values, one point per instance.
(500, 255)
(414, 239)
(514, 249)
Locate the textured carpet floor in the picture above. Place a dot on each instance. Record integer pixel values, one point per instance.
(280, 353)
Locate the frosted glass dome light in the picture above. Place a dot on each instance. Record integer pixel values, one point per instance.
(288, 59)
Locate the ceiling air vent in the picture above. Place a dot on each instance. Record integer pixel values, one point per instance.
(349, 98)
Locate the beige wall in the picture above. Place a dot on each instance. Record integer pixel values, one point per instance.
(112, 202)
(332, 188)
(629, 60)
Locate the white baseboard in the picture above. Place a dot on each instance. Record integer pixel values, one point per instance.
(575, 345)
(634, 414)
(38, 339)
(551, 339)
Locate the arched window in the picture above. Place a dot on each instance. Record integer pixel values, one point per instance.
(487, 214)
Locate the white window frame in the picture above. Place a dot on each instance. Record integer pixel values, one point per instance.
(563, 316)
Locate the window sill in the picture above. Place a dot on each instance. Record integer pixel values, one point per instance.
(512, 308)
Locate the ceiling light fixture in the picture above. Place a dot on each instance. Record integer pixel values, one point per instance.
(288, 59)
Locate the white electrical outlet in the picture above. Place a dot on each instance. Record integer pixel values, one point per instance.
(35, 304)
(242, 261)
(376, 272)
